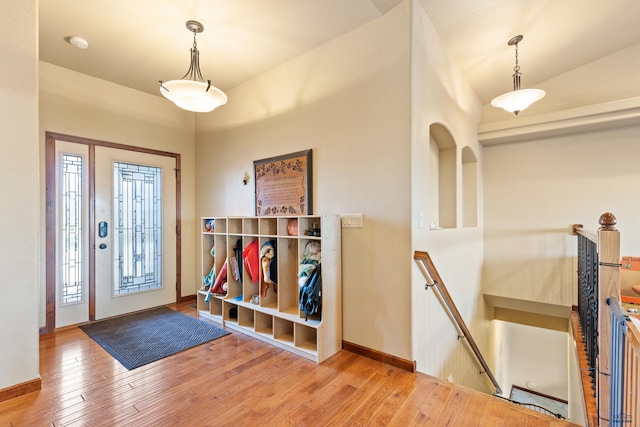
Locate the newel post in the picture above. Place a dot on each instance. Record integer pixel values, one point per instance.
(608, 287)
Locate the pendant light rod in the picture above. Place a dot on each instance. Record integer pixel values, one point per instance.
(194, 73)
(517, 74)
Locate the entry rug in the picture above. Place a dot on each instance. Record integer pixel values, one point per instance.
(144, 337)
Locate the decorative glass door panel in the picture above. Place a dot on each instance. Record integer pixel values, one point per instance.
(137, 207)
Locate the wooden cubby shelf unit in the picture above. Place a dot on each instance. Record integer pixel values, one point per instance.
(276, 318)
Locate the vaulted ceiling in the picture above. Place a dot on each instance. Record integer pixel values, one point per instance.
(136, 43)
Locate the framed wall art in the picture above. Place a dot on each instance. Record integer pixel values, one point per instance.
(283, 185)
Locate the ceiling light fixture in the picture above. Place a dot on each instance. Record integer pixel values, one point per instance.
(519, 99)
(192, 92)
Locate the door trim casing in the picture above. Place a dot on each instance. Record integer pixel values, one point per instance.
(50, 219)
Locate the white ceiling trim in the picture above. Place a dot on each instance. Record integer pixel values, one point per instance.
(606, 115)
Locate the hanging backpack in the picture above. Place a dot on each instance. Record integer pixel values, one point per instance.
(310, 300)
(250, 256)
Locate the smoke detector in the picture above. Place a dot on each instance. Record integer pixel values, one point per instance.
(78, 42)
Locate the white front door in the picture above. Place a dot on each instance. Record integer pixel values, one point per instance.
(135, 231)
(134, 207)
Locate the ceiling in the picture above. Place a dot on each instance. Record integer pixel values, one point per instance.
(137, 43)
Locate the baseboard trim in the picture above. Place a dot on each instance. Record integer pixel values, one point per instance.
(398, 362)
(20, 389)
(187, 298)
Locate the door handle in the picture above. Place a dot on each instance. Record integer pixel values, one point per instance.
(103, 229)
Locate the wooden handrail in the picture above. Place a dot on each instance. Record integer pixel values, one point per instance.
(579, 230)
(607, 222)
(438, 283)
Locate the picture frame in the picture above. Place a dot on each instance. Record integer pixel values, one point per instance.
(283, 185)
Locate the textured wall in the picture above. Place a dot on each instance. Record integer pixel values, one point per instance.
(19, 192)
(441, 95)
(348, 100)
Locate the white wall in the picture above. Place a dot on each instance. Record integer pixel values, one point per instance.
(440, 94)
(535, 358)
(348, 101)
(501, 354)
(80, 105)
(535, 190)
(19, 229)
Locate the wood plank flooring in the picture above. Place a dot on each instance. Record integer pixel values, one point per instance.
(239, 381)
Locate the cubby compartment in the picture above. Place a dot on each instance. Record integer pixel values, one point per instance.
(264, 324)
(220, 226)
(288, 227)
(230, 311)
(234, 225)
(310, 250)
(234, 283)
(288, 261)
(201, 304)
(250, 288)
(207, 225)
(283, 330)
(269, 277)
(214, 248)
(246, 317)
(274, 316)
(215, 306)
(309, 226)
(306, 337)
(268, 226)
(250, 226)
(208, 259)
(220, 250)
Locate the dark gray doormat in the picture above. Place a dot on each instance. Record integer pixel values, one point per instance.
(144, 337)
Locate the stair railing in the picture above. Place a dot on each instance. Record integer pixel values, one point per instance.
(599, 292)
(435, 281)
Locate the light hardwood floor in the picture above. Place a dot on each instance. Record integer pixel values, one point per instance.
(237, 381)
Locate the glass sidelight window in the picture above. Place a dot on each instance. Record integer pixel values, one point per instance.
(72, 230)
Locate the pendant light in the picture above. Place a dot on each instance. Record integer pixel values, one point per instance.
(519, 99)
(192, 92)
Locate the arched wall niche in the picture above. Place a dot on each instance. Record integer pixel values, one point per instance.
(442, 177)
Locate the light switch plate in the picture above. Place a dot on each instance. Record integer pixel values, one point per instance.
(353, 220)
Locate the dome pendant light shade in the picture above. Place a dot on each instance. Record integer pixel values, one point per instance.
(193, 95)
(519, 99)
(192, 92)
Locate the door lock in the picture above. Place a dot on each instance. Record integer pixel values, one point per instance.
(103, 230)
